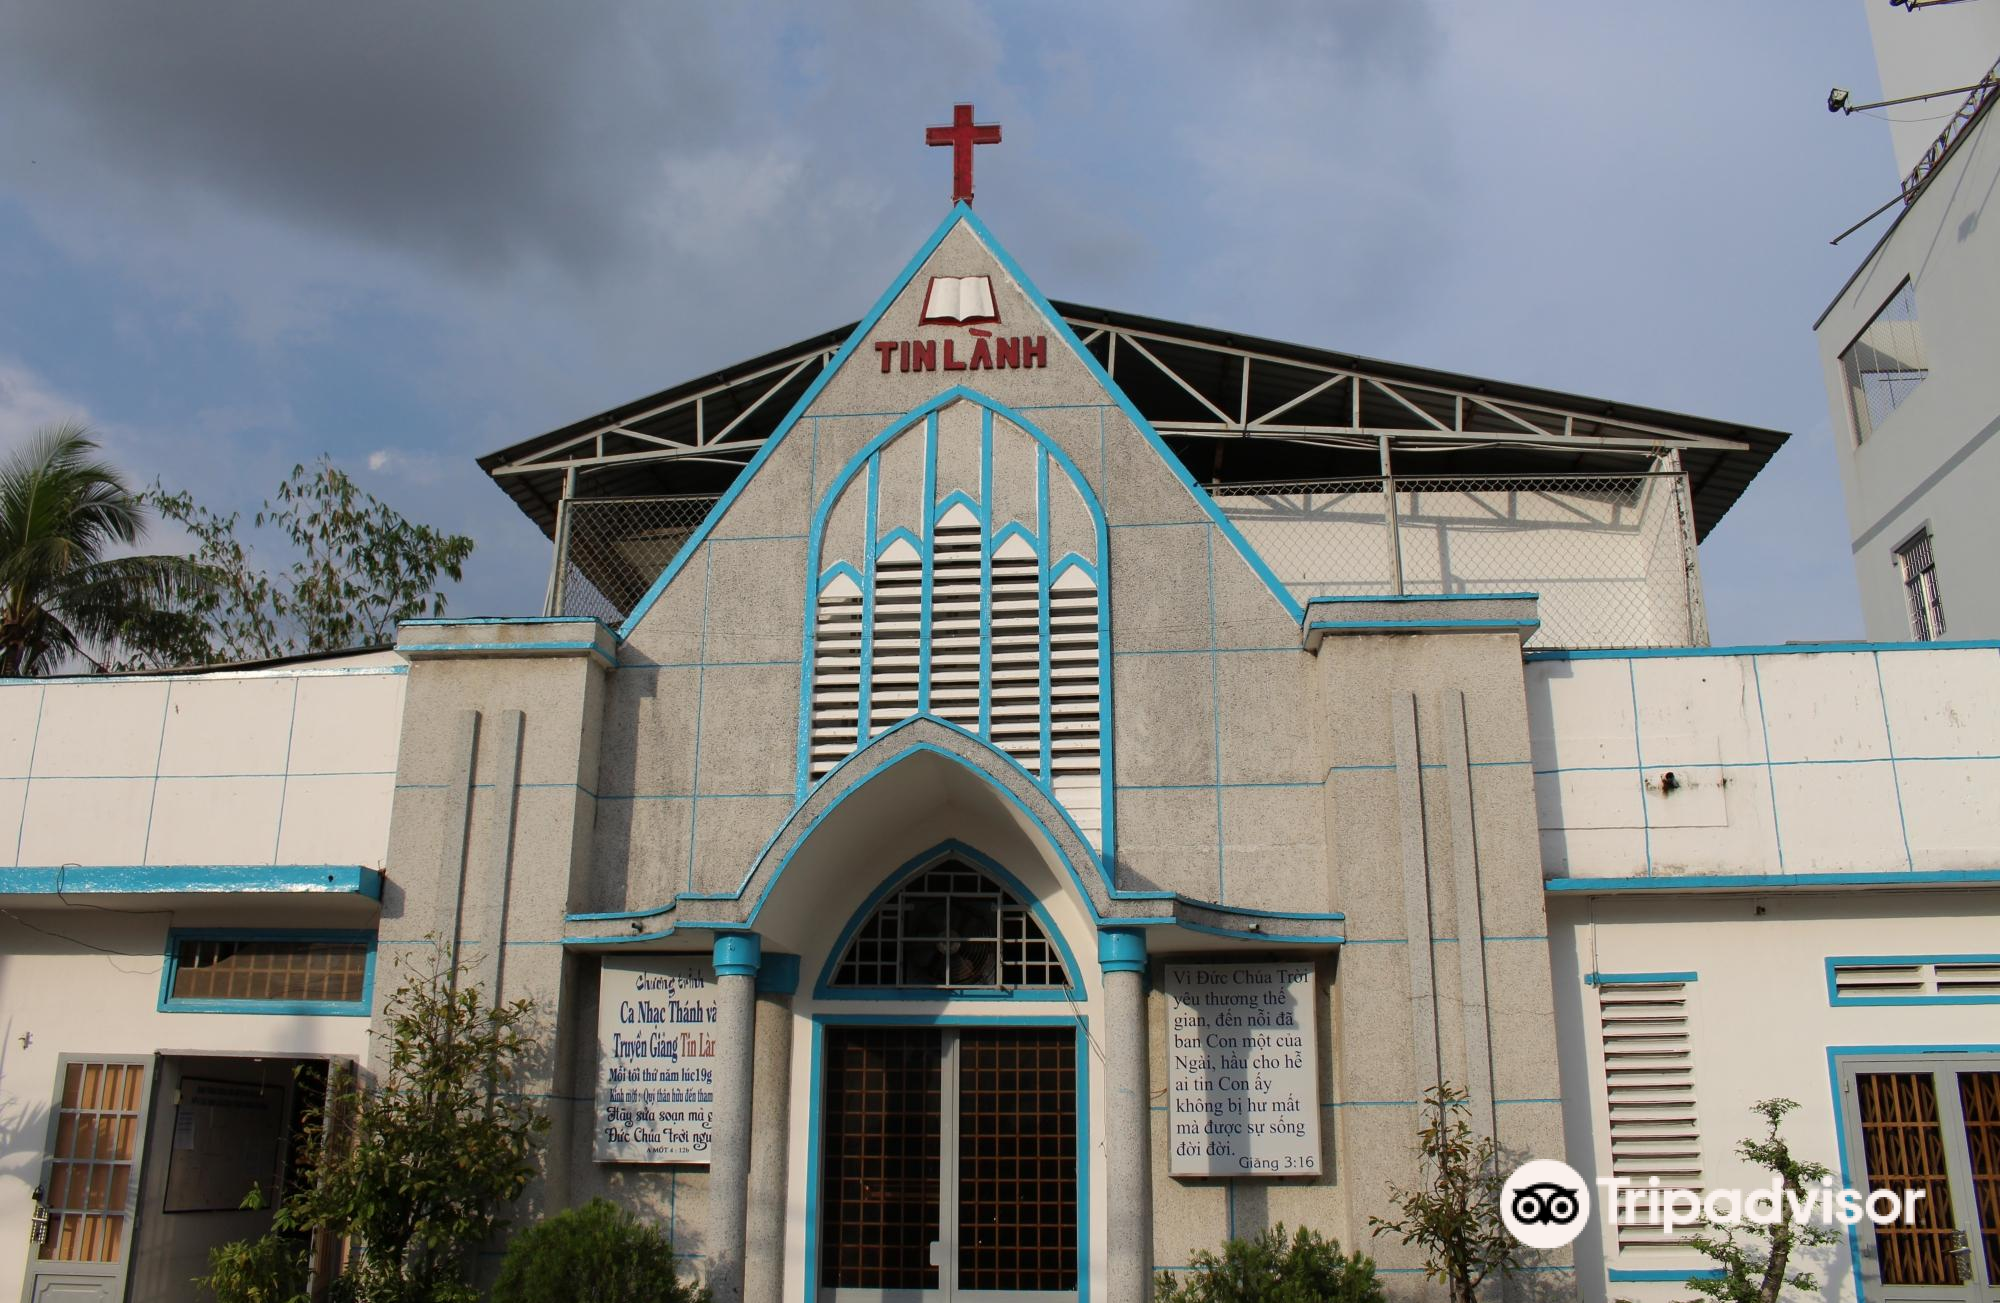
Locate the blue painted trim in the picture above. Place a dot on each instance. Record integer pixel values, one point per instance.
(1071, 561)
(827, 577)
(1636, 979)
(447, 621)
(505, 648)
(986, 570)
(1122, 950)
(1692, 1273)
(359, 1008)
(1834, 1054)
(956, 498)
(824, 989)
(927, 564)
(1046, 668)
(902, 534)
(101, 879)
(1253, 933)
(737, 954)
(1702, 881)
(1050, 452)
(1838, 1001)
(784, 426)
(1006, 761)
(1427, 597)
(815, 1119)
(778, 974)
(1015, 529)
(1761, 649)
(1336, 625)
(1060, 329)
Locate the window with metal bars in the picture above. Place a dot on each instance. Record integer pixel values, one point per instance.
(235, 972)
(1920, 587)
(952, 927)
(1885, 363)
(91, 1194)
(1649, 1087)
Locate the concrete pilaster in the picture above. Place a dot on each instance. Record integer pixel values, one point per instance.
(1127, 1118)
(737, 955)
(770, 1132)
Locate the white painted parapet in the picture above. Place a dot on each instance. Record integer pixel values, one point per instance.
(1729, 763)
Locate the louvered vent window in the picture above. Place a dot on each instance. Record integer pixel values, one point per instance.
(896, 658)
(836, 673)
(960, 568)
(955, 629)
(1973, 978)
(951, 926)
(1016, 726)
(1650, 1088)
(1074, 676)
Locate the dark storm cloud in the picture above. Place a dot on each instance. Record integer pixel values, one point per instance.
(472, 133)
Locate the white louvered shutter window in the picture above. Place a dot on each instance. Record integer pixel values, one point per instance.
(896, 656)
(836, 699)
(956, 637)
(1075, 673)
(1918, 980)
(1650, 1088)
(1016, 725)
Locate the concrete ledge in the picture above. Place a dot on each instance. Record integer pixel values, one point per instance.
(510, 636)
(193, 879)
(1327, 617)
(1886, 879)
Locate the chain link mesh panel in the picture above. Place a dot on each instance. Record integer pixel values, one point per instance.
(610, 550)
(1609, 554)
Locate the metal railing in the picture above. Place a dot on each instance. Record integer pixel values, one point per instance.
(1612, 556)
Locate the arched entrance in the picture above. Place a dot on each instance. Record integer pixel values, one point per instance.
(949, 1144)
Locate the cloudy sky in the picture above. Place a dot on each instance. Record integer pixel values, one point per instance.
(235, 234)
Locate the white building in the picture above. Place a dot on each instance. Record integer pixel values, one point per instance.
(954, 733)
(1909, 342)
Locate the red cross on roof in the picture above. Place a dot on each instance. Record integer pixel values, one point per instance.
(962, 135)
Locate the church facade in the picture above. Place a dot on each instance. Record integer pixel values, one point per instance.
(971, 870)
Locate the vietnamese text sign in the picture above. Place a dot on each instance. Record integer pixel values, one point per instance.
(1243, 1075)
(656, 1040)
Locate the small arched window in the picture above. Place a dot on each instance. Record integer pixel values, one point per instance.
(952, 927)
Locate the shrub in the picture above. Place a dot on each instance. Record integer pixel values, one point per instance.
(1272, 1269)
(270, 1269)
(598, 1253)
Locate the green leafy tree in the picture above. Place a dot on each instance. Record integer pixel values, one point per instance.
(416, 1169)
(1273, 1269)
(61, 510)
(357, 568)
(598, 1253)
(1755, 1257)
(1455, 1215)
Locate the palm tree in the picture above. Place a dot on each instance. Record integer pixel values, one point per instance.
(61, 510)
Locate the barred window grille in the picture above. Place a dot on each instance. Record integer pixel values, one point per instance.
(210, 969)
(1650, 1091)
(1885, 363)
(1920, 587)
(952, 927)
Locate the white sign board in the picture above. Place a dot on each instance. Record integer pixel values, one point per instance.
(1243, 1074)
(656, 1041)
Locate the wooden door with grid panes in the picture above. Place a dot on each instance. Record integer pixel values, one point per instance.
(1928, 1123)
(949, 1165)
(90, 1180)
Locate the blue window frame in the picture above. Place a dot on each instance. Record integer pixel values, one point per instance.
(1874, 980)
(276, 970)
